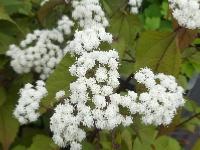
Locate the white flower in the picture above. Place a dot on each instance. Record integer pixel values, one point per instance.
(75, 146)
(145, 76)
(39, 51)
(60, 95)
(28, 104)
(159, 104)
(101, 74)
(64, 125)
(186, 12)
(93, 101)
(87, 40)
(89, 13)
(99, 101)
(135, 5)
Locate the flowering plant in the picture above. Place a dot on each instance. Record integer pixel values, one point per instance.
(105, 73)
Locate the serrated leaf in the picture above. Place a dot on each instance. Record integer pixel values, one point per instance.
(43, 142)
(158, 51)
(60, 79)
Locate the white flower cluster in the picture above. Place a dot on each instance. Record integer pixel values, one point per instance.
(89, 13)
(186, 12)
(94, 88)
(93, 101)
(28, 104)
(163, 97)
(88, 40)
(135, 5)
(40, 50)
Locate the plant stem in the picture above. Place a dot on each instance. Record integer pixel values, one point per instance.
(187, 120)
(115, 146)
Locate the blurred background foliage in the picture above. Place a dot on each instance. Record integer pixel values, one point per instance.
(152, 38)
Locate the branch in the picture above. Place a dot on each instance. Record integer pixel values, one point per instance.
(115, 146)
(128, 60)
(129, 54)
(187, 120)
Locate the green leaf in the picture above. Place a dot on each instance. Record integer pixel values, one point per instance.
(105, 141)
(152, 23)
(17, 6)
(124, 28)
(182, 80)
(8, 125)
(3, 60)
(5, 22)
(113, 6)
(106, 145)
(188, 69)
(60, 79)
(5, 41)
(192, 106)
(43, 142)
(138, 145)
(164, 8)
(158, 51)
(87, 146)
(5, 17)
(127, 138)
(19, 147)
(2, 95)
(166, 143)
(147, 134)
(27, 134)
(153, 11)
(47, 8)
